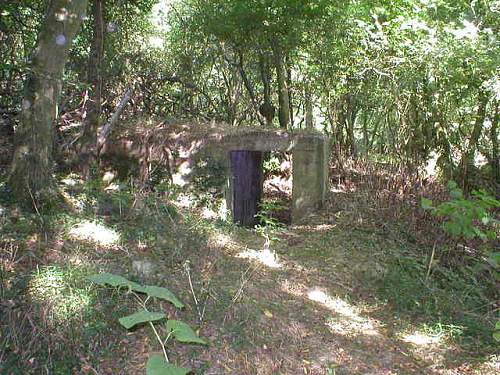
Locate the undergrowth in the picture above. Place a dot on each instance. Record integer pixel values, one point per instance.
(447, 283)
(54, 321)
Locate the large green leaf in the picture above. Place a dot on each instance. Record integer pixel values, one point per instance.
(151, 290)
(183, 332)
(140, 317)
(163, 293)
(114, 280)
(157, 365)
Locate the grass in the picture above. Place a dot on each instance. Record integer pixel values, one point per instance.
(350, 295)
(447, 303)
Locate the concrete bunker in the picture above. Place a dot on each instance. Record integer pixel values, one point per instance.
(243, 154)
(231, 158)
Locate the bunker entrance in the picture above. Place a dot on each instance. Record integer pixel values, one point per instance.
(261, 187)
(276, 204)
(247, 183)
(252, 195)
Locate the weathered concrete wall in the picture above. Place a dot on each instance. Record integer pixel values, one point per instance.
(310, 165)
(277, 140)
(310, 175)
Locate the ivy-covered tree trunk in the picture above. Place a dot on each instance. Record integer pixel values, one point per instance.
(88, 141)
(32, 162)
(266, 109)
(281, 75)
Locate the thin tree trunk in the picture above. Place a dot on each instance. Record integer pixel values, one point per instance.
(495, 161)
(351, 123)
(308, 108)
(106, 129)
(467, 161)
(289, 91)
(32, 162)
(283, 99)
(248, 86)
(88, 141)
(365, 131)
(266, 109)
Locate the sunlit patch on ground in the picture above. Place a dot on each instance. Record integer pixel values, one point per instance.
(69, 181)
(219, 240)
(323, 227)
(77, 260)
(265, 256)
(185, 201)
(421, 339)
(293, 288)
(208, 214)
(347, 320)
(72, 180)
(95, 232)
(315, 228)
(77, 203)
(52, 288)
(112, 187)
(219, 212)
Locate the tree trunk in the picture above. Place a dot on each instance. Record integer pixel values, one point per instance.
(267, 109)
(106, 129)
(352, 109)
(308, 108)
(248, 86)
(289, 91)
(365, 131)
(467, 161)
(88, 141)
(494, 159)
(283, 99)
(32, 162)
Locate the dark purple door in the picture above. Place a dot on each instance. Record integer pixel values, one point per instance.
(246, 169)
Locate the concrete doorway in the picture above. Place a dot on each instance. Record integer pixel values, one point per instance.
(246, 174)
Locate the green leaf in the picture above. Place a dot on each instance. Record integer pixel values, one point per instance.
(426, 204)
(479, 233)
(183, 332)
(114, 280)
(494, 260)
(162, 293)
(497, 325)
(157, 365)
(140, 317)
(496, 335)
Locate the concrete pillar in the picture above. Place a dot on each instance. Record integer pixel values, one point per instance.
(310, 175)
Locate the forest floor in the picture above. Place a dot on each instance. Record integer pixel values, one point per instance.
(344, 294)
